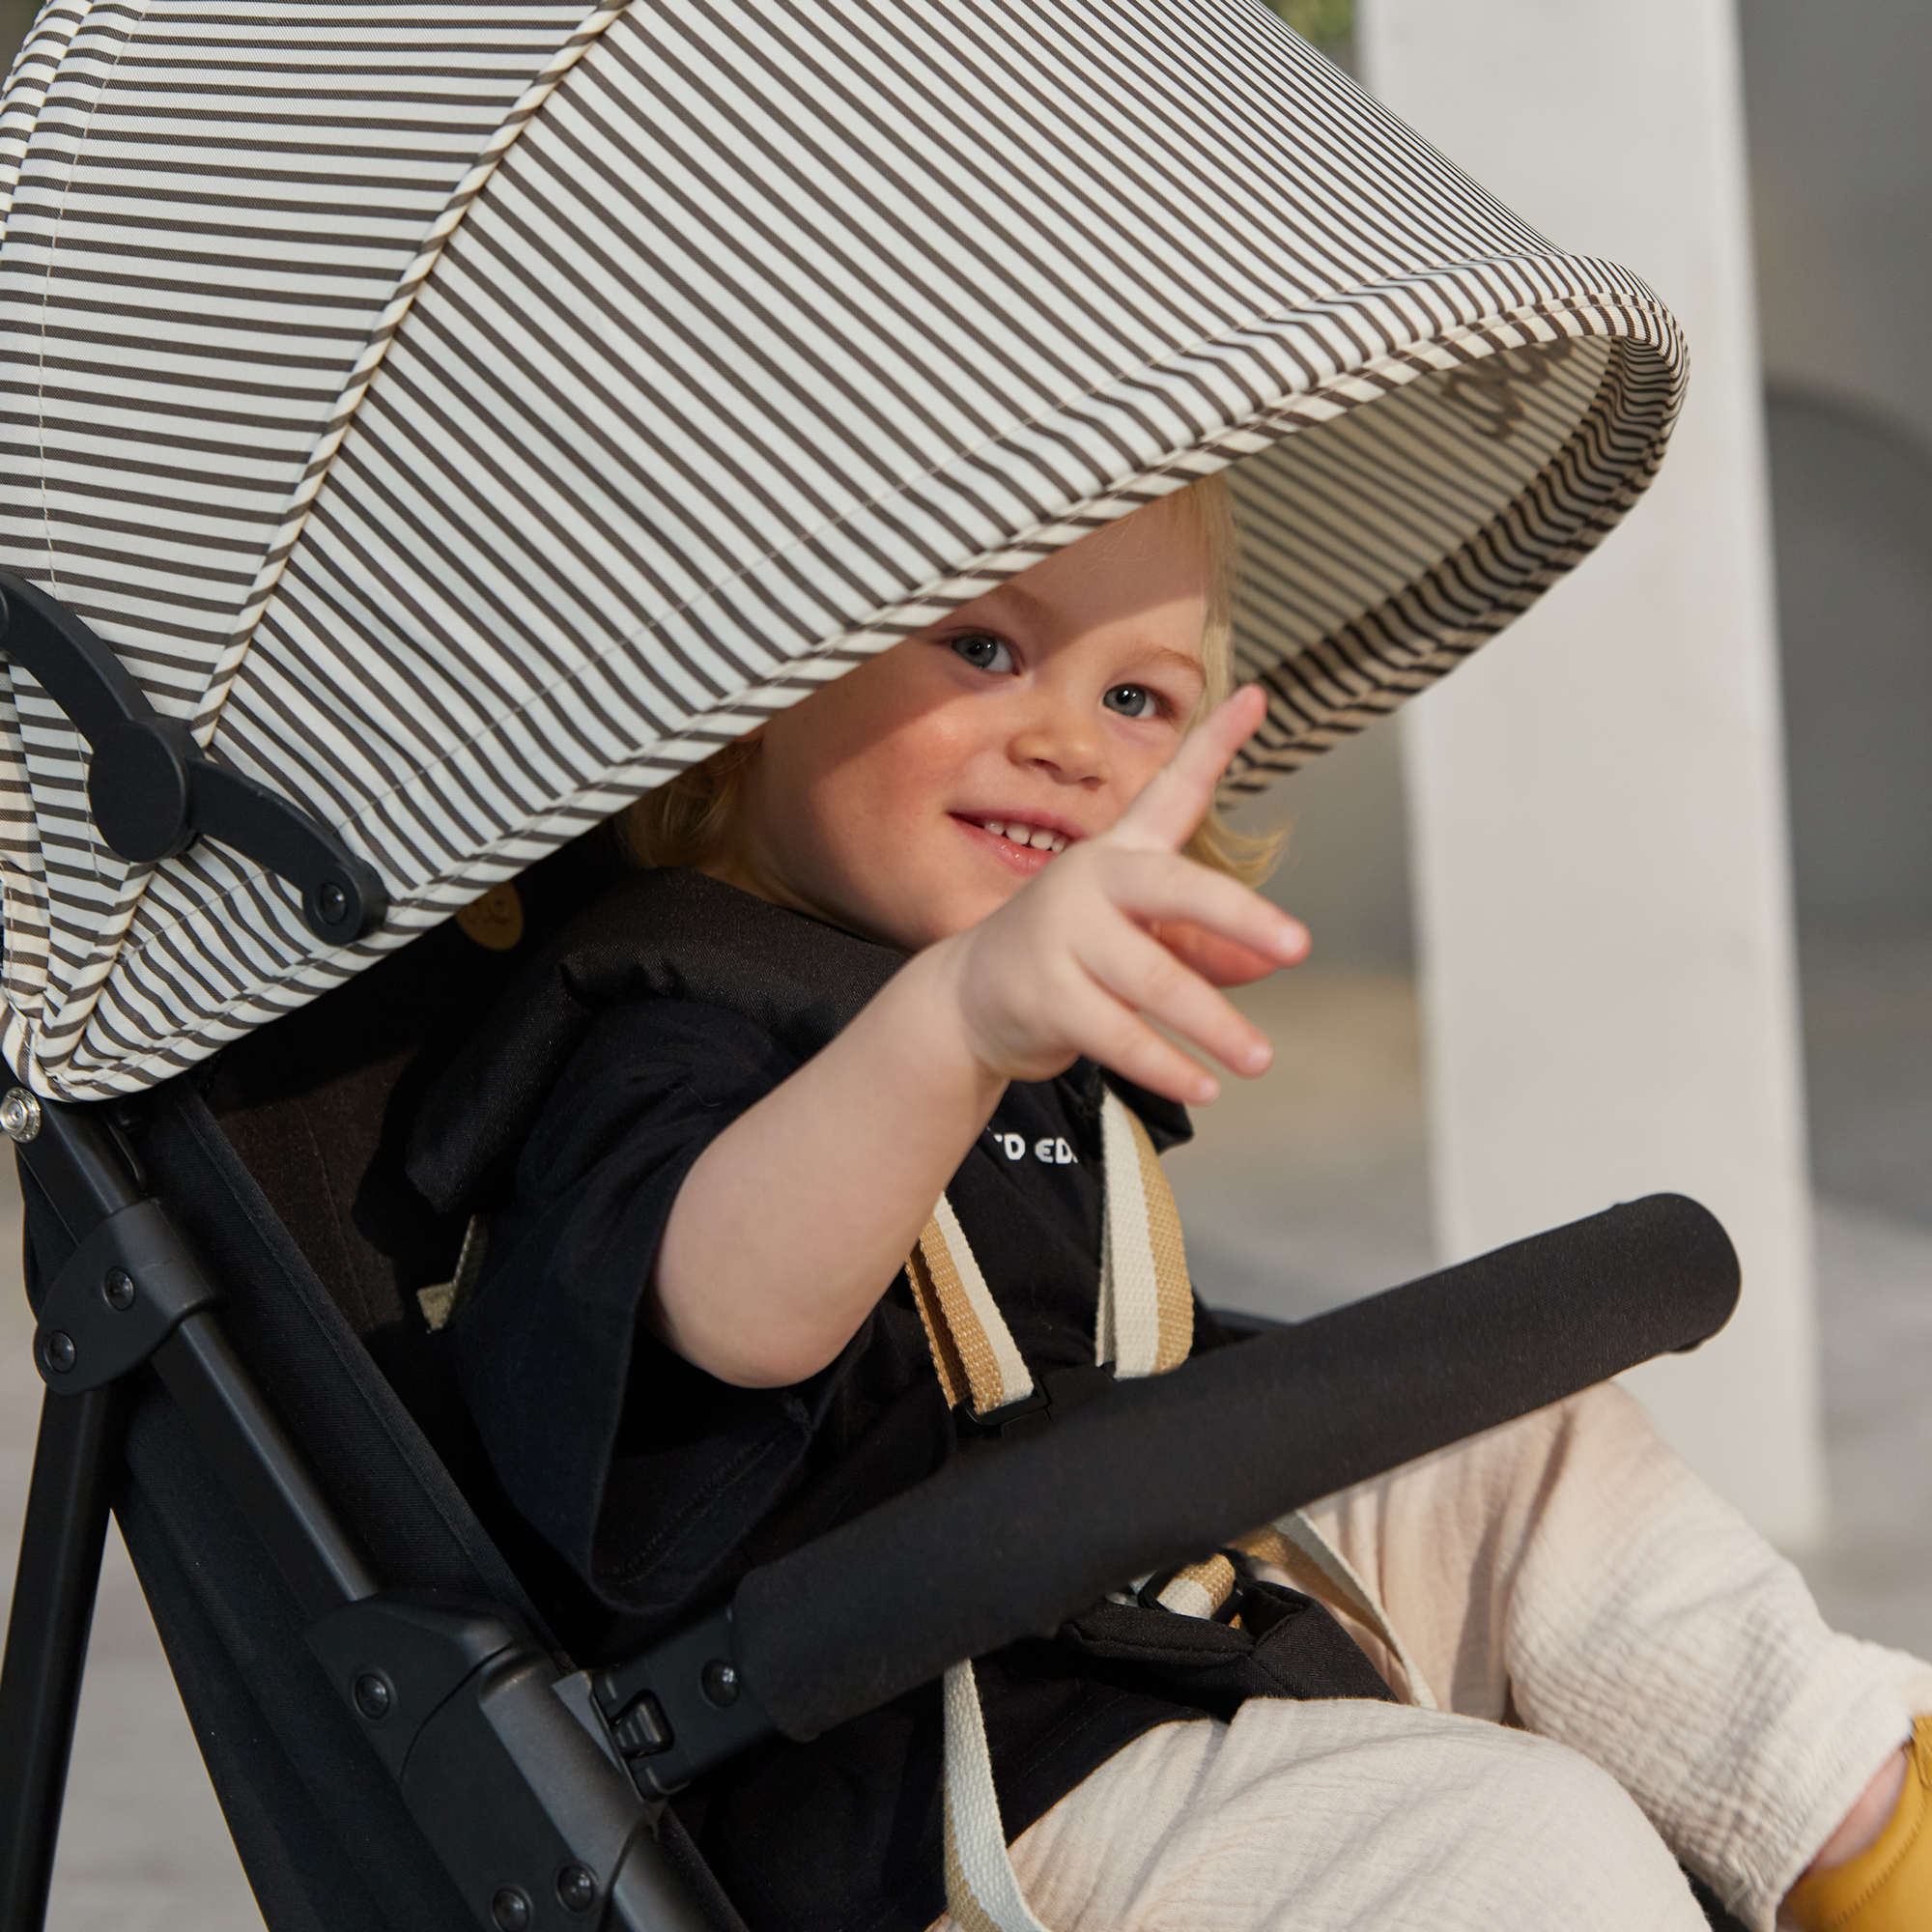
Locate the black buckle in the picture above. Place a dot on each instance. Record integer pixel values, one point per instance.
(1056, 1392)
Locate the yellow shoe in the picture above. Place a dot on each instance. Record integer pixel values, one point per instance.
(1888, 1887)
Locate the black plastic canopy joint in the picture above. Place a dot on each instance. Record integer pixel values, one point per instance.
(154, 791)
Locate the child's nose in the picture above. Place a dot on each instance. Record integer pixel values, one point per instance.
(1063, 741)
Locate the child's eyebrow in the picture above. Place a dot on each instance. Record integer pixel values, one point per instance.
(1162, 654)
(1016, 593)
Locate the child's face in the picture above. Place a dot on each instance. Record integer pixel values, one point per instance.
(1042, 708)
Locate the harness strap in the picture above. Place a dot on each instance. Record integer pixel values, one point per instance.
(972, 1347)
(1145, 1325)
(1199, 1590)
(983, 1890)
(1145, 1320)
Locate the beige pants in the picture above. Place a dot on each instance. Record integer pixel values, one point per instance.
(1628, 1675)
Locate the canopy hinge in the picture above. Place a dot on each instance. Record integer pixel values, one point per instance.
(153, 791)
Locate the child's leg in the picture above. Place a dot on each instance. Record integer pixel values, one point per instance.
(1349, 1817)
(1568, 1570)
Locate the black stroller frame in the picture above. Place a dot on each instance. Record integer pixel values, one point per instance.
(508, 1766)
(535, 1791)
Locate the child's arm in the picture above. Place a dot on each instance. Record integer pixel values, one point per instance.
(794, 1221)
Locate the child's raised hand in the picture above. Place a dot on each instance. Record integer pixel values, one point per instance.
(1121, 928)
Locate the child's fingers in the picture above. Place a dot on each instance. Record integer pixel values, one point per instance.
(1163, 817)
(1145, 976)
(1116, 1038)
(1221, 962)
(1163, 889)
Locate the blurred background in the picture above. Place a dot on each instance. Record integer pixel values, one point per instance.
(1778, 199)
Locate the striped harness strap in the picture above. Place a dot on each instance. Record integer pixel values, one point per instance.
(1146, 1322)
(1145, 1325)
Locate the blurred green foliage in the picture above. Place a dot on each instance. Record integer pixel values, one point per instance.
(1329, 23)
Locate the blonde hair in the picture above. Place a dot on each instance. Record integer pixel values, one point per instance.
(1207, 508)
(686, 821)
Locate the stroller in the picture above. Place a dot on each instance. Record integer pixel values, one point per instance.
(431, 431)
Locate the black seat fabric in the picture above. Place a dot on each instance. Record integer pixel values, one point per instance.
(316, 1110)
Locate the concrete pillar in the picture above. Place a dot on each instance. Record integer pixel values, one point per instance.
(1597, 803)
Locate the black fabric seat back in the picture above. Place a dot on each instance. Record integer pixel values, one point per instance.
(320, 1104)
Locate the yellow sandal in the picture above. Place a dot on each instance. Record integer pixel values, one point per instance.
(1888, 1887)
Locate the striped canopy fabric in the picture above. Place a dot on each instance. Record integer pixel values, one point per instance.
(463, 415)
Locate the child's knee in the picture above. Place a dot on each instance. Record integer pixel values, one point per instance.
(1536, 1835)
(1388, 1817)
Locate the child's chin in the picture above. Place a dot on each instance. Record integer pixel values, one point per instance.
(965, 908)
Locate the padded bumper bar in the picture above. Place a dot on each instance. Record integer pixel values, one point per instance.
(1010, 1544)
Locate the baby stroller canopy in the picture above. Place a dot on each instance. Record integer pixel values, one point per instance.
(463, 416)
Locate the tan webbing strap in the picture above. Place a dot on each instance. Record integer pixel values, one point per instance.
(1146, 1323)
(444, 1301)
(1200, 1590)
(964, 1329)
(1173, 1292)
(946, 1360)
(983, 1890)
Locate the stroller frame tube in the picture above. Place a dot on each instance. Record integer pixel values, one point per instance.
(75, 1460)
(539, 1770)
(237, 1432)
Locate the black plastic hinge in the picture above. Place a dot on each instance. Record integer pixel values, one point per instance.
(127, 1287)
(520, 1798)
(681, 1706)
(151, 790)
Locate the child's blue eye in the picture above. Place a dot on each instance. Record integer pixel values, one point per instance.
(983, 651)
(1130, 700)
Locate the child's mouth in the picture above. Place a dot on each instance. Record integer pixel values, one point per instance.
(1025, 847)
(1037, 837)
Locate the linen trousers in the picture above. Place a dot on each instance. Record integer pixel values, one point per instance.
(1628, 1676)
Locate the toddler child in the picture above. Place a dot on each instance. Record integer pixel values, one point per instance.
(906, 940)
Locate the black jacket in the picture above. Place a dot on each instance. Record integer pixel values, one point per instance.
(655, 1021)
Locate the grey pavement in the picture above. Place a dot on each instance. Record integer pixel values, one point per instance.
(1303, 1190)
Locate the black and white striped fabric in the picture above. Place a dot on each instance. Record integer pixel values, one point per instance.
(464, 416)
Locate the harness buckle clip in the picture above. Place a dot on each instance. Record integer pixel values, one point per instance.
(1057, 1392)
